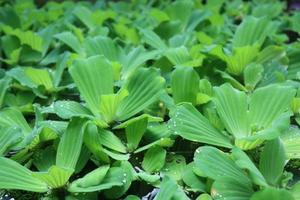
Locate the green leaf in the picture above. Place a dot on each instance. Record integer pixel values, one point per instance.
(272, 193)
(85, 16)
(60, 67)
(272, 161)
(240, 57)
(190, 124)
(152, 39)
(135, 59)
(163, 142)
(55, 177)
(116, 155)
(191, 179)
(178, 56)
(268, 103)
(291, 142)
(32, 77)
(231, 105)
(43, 159)
(101, 45)
(69, 147)
(93, 142)
(170, 190)
(15, 176)
(205, 159)
(144, 87)
(29, 38)
(135, 130)
(252, 75)
(92, 178)
(13, 118)
(114, 177)
(252, 31)
(70, 40)
(174, 166)
(109, 104)
(111, 141)
(296, 191)
(69, 109)
(244, 162)
(86, 74)
(128, 176)
(9, 136)
(263, 120)
(154, 159)
(271, 53)
(229, 188)
(4, 85)
(185, 85)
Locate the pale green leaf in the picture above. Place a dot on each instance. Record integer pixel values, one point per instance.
(244, 162)
(93, 142)
(111, 141)
(268, 103)
(272, 161)
(93, 77)
(29, 38)
(170, 190)
(252, 31)
(231, 105)
(15, 176)
(205, 159)
(70, 40)
(4, 85)
(152, 39)
(136, 58)
(252, 75)
(69, 109)
(154, 159)
(109, 104)
(272, 193)
(185, 85)
(135, 131)
(144, 87)
(85, 16)
(228, 188)
(9, 136)
(114, 177)
(92, 178)
(178, 56)
(32, 77)
(101, 45)
(69, 147)
(291, 143)
(55, 177)
(191, 179)
(174, 167)
(190, 124)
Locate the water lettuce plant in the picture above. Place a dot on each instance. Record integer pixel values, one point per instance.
(151, 100)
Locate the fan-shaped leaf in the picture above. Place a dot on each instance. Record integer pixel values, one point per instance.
(144, 87)
(15, 176)
(93, 78)
(190, 124)
(185, 85)
(205, 159)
